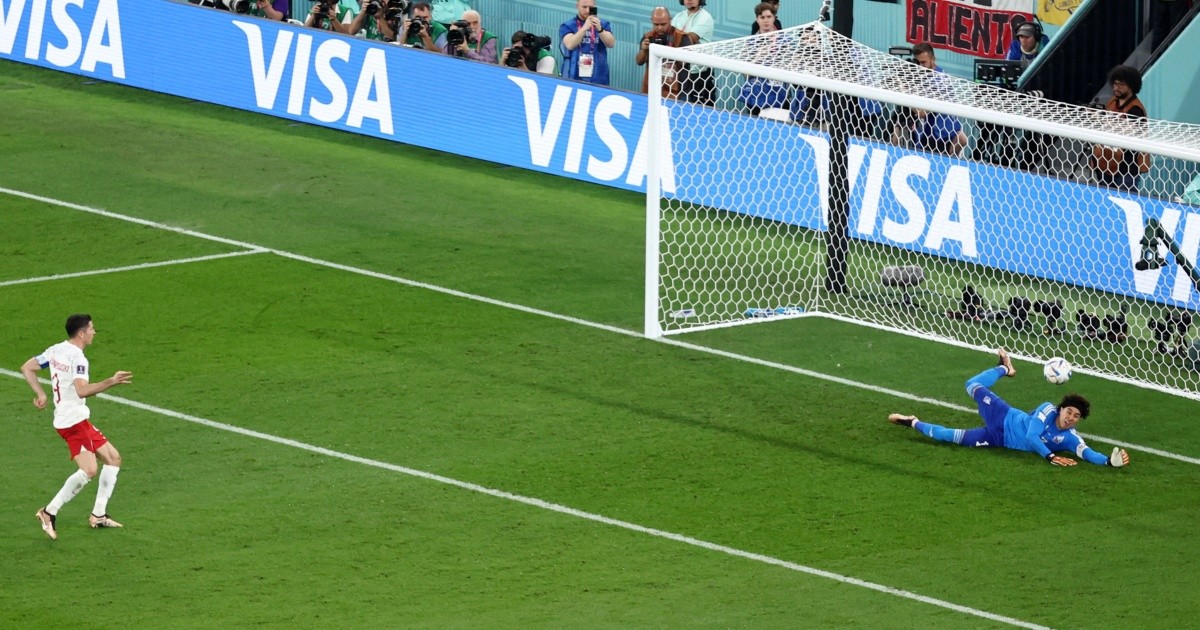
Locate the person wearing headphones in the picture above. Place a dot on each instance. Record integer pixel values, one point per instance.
(699, 85)
(1028, 42)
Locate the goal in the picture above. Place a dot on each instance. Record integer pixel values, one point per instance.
(808, 175)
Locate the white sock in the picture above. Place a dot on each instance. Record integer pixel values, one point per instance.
(108, 479)
(73, 485)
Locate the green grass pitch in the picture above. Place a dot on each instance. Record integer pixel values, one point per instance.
(431, 403)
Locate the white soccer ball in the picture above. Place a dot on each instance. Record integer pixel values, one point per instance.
(1057, 370)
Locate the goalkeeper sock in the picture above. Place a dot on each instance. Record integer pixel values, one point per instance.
(73, 485)
(941, 434)
(986, 378)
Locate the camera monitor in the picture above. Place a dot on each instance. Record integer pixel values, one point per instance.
(998, 72)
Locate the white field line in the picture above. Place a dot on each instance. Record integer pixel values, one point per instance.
(529, 500)
(561, 509)
(163, 263)
(566, 318)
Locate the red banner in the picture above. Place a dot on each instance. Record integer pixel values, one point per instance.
(964, 27)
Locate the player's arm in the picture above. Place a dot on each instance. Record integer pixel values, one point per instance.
(30, 370)
(85, 389)
(1118, 458)
(1033, 440)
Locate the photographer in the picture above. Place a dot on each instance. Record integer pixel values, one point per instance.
(372, 21)
(529, 52)
(584, 40)
(330, 15)
(466, 38)
(674, 73)
(421, 31)
(269, 9)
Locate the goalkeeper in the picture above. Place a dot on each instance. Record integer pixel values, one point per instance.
(1047, 430)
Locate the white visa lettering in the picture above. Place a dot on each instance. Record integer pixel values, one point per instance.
(1146, 281)
(372, 95)
(102, 46)
(544, 134)
(10, 19)
(953, 216)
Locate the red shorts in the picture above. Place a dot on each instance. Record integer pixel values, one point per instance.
(82, 436)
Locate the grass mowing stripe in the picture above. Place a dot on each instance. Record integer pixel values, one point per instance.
(566, 318)
(163, 263)
(561, 509)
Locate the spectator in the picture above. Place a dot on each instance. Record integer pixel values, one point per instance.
(584, 41)
(529, 52)
(938, 133)
(447, 11)
(664, 34)
(1114, 167)
(699, 85)
(330, 15)
(1032, 149)
(271, 9)
(759, 93)
(371, 22)
(1029, 41)
(757, 26)
(422, 31)
(474, 43)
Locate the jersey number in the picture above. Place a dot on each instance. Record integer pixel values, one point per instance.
(57, 390)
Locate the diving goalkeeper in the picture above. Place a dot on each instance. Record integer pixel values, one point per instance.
(1046, 431)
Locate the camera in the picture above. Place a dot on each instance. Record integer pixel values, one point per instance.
(233, 6)
(535, 42)
(516, 56)
(415, 26)
(661, 39)
(324, 6)
(460, 34)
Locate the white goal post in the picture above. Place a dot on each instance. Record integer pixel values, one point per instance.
(819, 177)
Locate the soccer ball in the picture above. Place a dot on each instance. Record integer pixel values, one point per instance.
(1057, 370)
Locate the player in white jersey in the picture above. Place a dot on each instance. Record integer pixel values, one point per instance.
(69, 382)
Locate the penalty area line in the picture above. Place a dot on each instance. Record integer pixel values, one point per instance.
(565, 318)
(149, 265)
(562, 509)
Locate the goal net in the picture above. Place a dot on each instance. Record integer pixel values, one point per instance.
(799, 173)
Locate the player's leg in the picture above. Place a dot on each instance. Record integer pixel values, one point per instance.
(86, 460)
(990, 376)
(978, 436)
(107, 482)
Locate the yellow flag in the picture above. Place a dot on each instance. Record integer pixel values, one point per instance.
(1056, 12)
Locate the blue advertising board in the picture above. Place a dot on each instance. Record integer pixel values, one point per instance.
(1065, 231)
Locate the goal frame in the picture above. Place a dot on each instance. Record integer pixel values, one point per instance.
(660, 145)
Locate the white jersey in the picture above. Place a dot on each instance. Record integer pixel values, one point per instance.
(66, 363)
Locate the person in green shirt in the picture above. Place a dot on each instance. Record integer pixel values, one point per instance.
(331, 15)
(422, 31)
(474, 42)
(372, 23)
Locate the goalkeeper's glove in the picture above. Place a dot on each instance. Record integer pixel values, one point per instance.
(1118, 458)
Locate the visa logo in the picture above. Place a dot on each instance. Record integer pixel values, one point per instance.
(1146, 282)
(607, 164)
(372, 96)
(909, 216)
(102, 45)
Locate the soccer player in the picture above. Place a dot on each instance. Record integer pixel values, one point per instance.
(1047, 430)
(69, 381)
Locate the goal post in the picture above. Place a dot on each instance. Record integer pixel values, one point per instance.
(973, 215)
